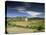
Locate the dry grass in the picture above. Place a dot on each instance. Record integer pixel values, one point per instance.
(20, 30)
(24, 23)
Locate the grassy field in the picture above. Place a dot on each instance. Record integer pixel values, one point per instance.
(14, 26)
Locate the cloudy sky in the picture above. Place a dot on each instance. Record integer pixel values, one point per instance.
(25, 9)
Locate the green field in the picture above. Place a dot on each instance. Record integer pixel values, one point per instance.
(14, 26)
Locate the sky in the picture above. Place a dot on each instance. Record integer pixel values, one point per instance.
(28, 9)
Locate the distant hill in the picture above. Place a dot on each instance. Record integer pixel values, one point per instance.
(20, 18)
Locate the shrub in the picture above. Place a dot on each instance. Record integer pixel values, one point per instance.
(27, 26)
(8, 23)
(40, 27)
(14, 25)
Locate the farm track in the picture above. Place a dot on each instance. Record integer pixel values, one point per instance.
(20, 30)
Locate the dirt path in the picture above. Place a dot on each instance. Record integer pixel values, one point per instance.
(19, 30)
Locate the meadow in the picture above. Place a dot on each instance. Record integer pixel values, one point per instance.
(22, 26)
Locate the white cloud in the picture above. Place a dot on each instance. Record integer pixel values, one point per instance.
(20, 8)
(33, 14)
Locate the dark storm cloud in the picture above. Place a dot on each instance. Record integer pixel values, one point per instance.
(39, 7)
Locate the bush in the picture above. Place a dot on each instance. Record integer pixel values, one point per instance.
(40, 27)
(27, 26)
(8, 23)
(14, 25)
